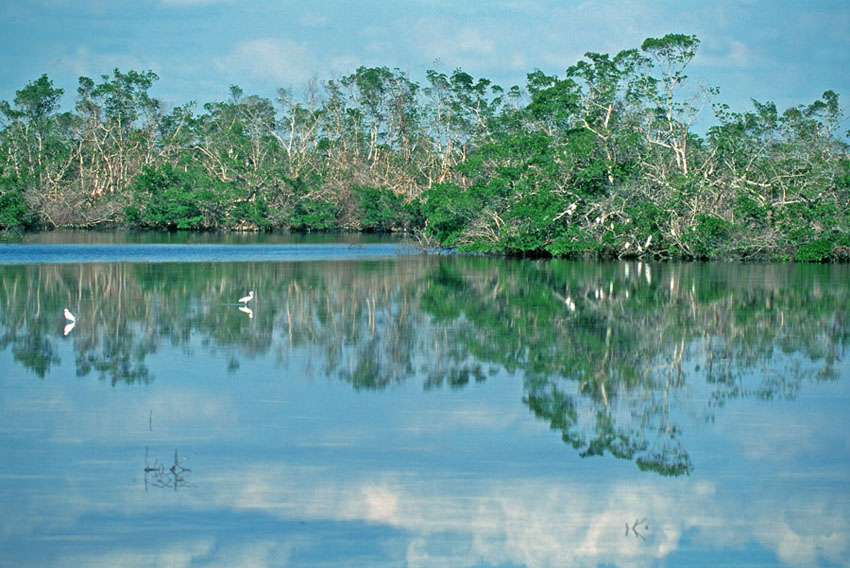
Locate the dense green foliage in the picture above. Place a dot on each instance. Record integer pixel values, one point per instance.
(602, 161)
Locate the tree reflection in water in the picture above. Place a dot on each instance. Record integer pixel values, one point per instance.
(173, 476)
(620, 358)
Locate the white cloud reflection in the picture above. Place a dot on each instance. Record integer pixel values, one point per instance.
(246, 505)
(176, 555)
(460, 520)
(545, 522)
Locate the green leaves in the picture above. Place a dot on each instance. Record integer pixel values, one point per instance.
(165, 197)
(817, 250)
(35, 102)
(14, 211)
(602, 159)
(314, 215)
(122, 98)
(707, 236)
(512, 205)
(380, 209)
(672, 50)
(448, 209)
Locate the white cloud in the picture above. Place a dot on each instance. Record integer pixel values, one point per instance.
(447, 520)
(547, 522)
(795, 545)
(85, 62)
(343, 65)
(476, 48)
(535, 522)
(313, 20)
(448, 39)
(283, 61)
(381, 503)
(728, 53)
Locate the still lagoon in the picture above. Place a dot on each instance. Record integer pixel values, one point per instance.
(376, 406)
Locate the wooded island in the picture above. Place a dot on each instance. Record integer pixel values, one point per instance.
(602, 161)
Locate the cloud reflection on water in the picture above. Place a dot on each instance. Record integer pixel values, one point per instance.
(446, 517)
(460, 416)
(524, 522)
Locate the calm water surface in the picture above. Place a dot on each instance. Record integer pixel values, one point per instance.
(374, 407)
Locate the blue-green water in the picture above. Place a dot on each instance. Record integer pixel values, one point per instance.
(401, 409)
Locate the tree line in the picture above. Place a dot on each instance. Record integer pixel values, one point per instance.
(601, 161)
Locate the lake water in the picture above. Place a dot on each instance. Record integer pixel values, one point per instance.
(374, 406)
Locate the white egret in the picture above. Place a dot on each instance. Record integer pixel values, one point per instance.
(248, 298)
(69, 316)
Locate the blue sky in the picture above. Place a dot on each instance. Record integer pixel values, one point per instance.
(782, 50)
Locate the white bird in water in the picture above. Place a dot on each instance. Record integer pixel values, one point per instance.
(68, 328)
(69, 316)
(248, 298)
(247, 310)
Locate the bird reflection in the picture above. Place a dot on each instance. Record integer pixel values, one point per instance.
(247, 310)
(72, 321)
(636, 528)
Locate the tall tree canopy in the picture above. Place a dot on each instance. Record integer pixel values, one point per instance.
(603, 160)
